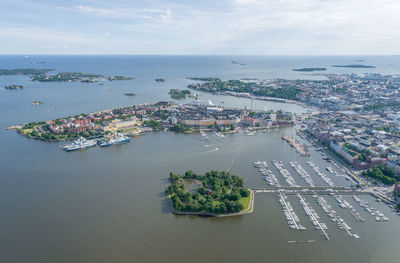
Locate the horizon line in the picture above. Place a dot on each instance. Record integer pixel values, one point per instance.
(199, 55)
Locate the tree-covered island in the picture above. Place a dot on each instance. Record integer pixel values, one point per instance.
(14, 87)
(178, 94)
(75, 76)
(308, 69)
(353, 66)
(24, 71)
(256, 88)
(214, 193)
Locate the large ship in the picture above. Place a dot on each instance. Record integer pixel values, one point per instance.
(79, 144)
(118, 139)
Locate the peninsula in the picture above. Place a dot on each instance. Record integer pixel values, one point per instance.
(137, 119)
(216, 193)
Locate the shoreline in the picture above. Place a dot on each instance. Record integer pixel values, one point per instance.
(248, 96)
(249, 209)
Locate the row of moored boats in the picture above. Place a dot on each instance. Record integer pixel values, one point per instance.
(83, 143)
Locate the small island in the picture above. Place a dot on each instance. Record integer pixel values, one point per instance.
(36, 102)
(204, 79)
(309, 69)
(178, 94)
(14, 87)
(130, 94)
(24, 71)
(216, 193)
(75, 76)
(118, 78)
(160, 80)
(353, 66)
(238, 63)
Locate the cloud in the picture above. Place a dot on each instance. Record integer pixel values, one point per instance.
(220, 27)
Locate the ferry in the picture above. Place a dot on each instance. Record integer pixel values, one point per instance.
(118, 139)
(79, 144)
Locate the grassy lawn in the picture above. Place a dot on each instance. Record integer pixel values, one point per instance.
(25, 131)
(245, 202)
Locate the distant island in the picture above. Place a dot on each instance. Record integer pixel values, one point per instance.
(203, 79)
(216, 193)
(118, 78)
(75, 76)
(14, 87)
(178, 94)
(130, 94)
(160, 80)
(309, 69)
(238, 63)
(352, 66)
(36, 102)
(24, 71)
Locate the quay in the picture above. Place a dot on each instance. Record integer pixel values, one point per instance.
(300, 148)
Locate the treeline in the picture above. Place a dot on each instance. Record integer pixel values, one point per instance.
(180, 128)
(155, 125)
(284, 92)
(177, 94)
(220, 192)
(383, 173)
(24, 71)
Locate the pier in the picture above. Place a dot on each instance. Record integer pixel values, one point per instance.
(294, 189)
(313, 217)
(300, 148)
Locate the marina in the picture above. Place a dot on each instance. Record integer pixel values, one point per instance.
(268, 176)
(333, 215)
(312, 214)
(346, 205)
(285, 173)
(290, 215)
(299, 169)
(323, 176)
(379, 216)
(292, 218)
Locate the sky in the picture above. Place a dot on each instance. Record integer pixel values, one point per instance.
(205, 27)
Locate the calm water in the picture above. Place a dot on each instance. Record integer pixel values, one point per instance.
(106, 205)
